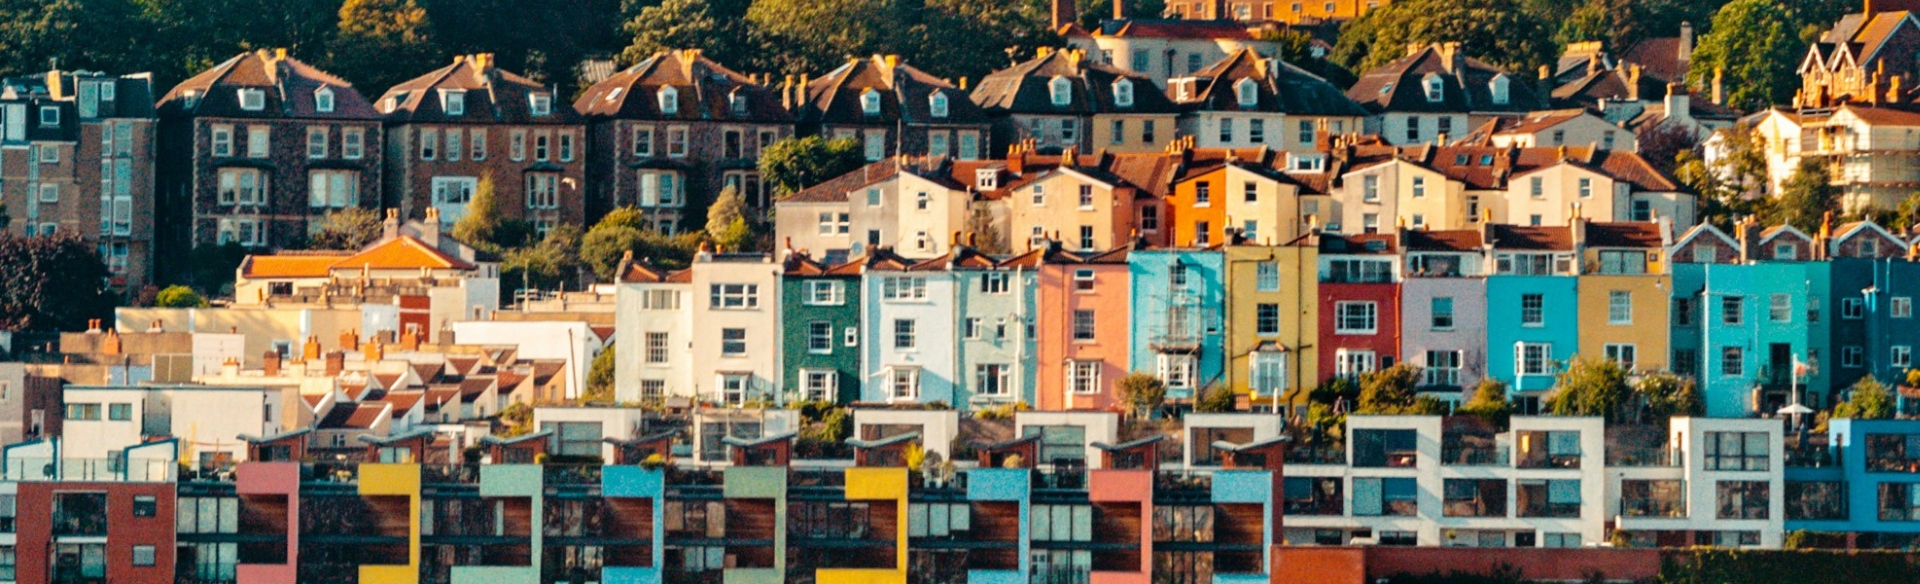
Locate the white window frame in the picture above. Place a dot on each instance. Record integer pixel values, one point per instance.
(1369, 312)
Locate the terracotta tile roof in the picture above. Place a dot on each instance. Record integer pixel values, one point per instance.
(605, 332)
(1461, 240)
(387, 380)
(1625, 234)
(509, 378)
(1397, 86)
(1881, 116)
(1023, 88)
(403, 253)
(1611, 84)
(835, 97)
(353, 416)
(1279, 87)
(290, 84)
(639, 272)
(436, 397)
(707, 91)
(836, 189)
(1541, 121)
(545, 369)
(427, 372)
(1659, 57)
(291, 265)
(312, 399)
(491, 96)
(472, 388)
(1031, 258)
(463, 365)
(1531, 238)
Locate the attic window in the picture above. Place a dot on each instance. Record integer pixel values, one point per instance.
(1486, 160)
(1123, 93)
(669, 100)
(392, 102)
(1246, 92)
(453, 102)
(191, 98)
(615, 94)
(1060, 91)
(737, 101)
(1500, 87)
(323, 100)
(541, 104)
(870, 102)
(1436, 87)
(253, 100)
(986, 179)
(937, 104)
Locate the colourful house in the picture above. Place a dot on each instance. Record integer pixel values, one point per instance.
(1082, 330)
(1443, 308)
(820, 313)
(909, 317)
(1623, 293)
(1272, 322)
(1740, 326)
(1179, 308)
(994, 301)
(1873, 287)
(1532, 300)
(1360, 296)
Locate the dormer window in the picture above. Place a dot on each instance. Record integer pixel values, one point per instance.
(1435, 86)
(541, 104)
(614, 95)
(453, 102)
(986, 179)
(870, 102)
(1246, 92)
(937, 104)
(737, 102)
(49, 115)
(253, 100)
(393, 102)
(323, 100)
(1060, 91)
(1123, 93)
(669, 100)
(191, 98)
(1501, 87)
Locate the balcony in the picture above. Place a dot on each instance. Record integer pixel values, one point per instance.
(1474, 456)
(80, 514)
(91, 470)
(1310, 454)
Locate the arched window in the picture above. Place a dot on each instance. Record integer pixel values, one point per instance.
(1246, 92)
(1123, 93)
(937, 104)
(1060, 90)
(669, 100)
(323, 100)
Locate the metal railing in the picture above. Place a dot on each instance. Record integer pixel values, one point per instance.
(90, 469)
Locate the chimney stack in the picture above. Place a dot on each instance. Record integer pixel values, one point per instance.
(349, 341)
(1063, 13)
(310, 350)
(1633, 83)
(270, 363)
(336, 362)
(1686, 44)
(430, 229)
(1119, 9)
(1719, 94)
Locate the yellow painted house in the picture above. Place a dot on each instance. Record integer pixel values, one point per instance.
(1624, 292)
(1272, 322)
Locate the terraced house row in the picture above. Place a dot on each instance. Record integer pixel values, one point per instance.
(619, 495)
(1056, 327)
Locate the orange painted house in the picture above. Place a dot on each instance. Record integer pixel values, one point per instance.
(1081, 328)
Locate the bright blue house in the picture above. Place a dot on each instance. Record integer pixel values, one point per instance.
(1179, 303)
(1533, 316)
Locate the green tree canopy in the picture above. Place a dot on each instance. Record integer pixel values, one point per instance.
(52, 283)
(384, 42)
(1142, 392)
(1868, 399)
(718, 28)
(178, 296)
(1591, 387)
(1753, 43)
(1804, 199)
(1391, 391)
(1667, 395)
(1495, 31)
(600, 378)
(547, 265)
(346, 229)
(1489, 403)
(1215, 399)
(793, 164)
(727, 221)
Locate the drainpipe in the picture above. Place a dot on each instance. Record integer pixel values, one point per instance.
(1020, 331)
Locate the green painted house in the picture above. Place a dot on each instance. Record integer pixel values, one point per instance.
(821, 348)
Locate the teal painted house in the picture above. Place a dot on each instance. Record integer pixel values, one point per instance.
(1745, 309)
(821, 317)
(994, 304)
(1179, 303)
(1873, 329)
(1533, 316)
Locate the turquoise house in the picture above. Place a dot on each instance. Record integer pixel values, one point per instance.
(1179, 303)
(1533, 316)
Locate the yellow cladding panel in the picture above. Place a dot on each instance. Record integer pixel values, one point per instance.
(395, 480)
(876, 484)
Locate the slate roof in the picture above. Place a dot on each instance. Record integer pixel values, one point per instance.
(1532, 238)
(290, 86)
(1023, 88)
(1458, 240)
(1397, 86)
(706, 90)
(835, 97)
(1280, 87)
(492, 95)
(1642, 234)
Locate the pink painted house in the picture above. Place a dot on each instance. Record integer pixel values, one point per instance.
(1081, 329)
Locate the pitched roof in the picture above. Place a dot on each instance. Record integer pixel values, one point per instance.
(1024, 87)
(1278, 87)
(1532, 238)
(834, 190)
(490, 95)
(1659, 57)
(1398, 86)
(706, 91)
(404, 252)
(1467, 240)
(639, 271)
(905, 92)
(290, 85)
(353, 415)
(291, 265)
(1359, 244)
(1642, 234)
(1175, 29)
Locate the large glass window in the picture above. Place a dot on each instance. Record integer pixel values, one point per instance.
(1549, 498)
(1384, 448)
(1314, 496)
(1394, 497)
(1816, 500)
(1741, 499)
(1475, 498)
(1746, 451)
(1653, 498)
(1893, 453)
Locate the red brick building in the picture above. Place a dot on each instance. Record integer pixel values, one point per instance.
(95, 532)
(467, 123)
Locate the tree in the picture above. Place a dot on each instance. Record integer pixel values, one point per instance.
(727, 220)
(1388, 391)
(1868, 399)
(1591, 387)
(1667, 395)
(1297, 48)
(1662, 145)
(549, 264)
(718, 28)
(51, 283)
(1805, 198)
(1489, 403)
(605, 245)
(1496, 31)
(350, 228)
(1215, 399)
(600, 378)
(177, 296)
(986, 235)
(484, 228)
(793, 164)
(383, 42)
(1142, 392)
(1753, 45)
(213, 267)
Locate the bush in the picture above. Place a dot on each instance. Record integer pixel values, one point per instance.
(1216, 399)
(1868, 399)
(177, 296)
